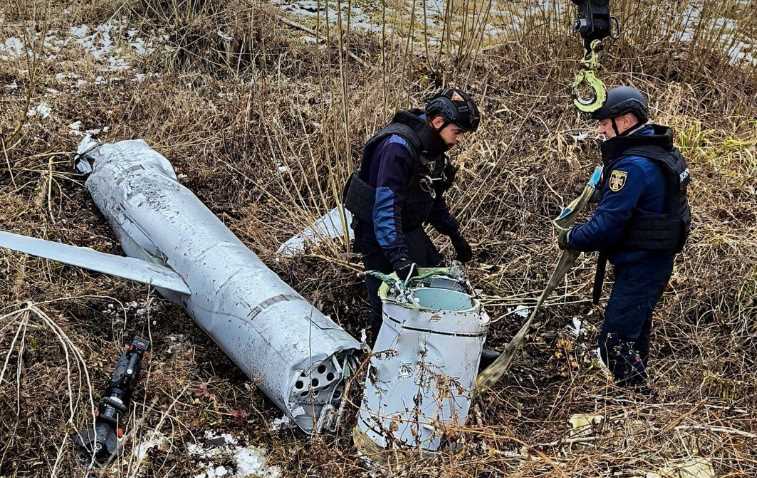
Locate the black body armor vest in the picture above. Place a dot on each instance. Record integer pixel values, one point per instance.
(432, 174)
(646, 230)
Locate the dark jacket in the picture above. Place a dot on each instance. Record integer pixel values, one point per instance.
(407, 173)
(642, 203)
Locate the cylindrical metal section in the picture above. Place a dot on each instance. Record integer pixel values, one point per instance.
(425, 361)
(291, 350)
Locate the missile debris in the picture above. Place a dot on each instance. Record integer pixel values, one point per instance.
(424, 364)
(329, 226)
(296, 355)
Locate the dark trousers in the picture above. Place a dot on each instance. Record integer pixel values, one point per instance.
(422, 251)
(624, 338)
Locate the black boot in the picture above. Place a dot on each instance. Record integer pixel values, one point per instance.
(487, 357)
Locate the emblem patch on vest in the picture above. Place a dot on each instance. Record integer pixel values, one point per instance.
(617, 180)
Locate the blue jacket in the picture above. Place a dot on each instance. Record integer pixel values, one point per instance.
(390, 172)
(630, 183)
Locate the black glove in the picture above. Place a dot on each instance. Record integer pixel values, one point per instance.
(406, 270)
(463, 250)
(563, 239)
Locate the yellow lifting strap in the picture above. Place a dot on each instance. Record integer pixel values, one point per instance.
(587, 78)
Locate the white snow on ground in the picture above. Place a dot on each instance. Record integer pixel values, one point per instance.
(521, 311)
(42, 110)
(110, 44)
(249, 460)
(101, 45)
(154, 439)
(283, 423)
(12, 47)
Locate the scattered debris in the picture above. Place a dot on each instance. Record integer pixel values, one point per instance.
(328, 226)
(423, 369)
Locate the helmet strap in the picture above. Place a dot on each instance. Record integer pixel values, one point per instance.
(615, 126)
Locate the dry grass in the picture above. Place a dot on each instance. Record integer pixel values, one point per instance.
(265, 128)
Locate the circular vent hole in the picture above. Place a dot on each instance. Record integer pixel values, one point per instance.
(314, 382)
(330, 376)
(298, 384)
(321, 368)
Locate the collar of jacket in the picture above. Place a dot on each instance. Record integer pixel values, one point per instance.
(649, 135)
(433, 144)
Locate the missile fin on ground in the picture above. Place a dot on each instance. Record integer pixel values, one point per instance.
(126, 267)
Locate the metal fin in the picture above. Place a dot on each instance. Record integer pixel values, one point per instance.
(126, 267)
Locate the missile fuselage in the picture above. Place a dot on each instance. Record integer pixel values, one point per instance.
(294, 353)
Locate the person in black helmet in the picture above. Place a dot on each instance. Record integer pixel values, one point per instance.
(400, 186)
(641, 222)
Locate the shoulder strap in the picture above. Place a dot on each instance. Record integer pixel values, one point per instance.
(406, 132)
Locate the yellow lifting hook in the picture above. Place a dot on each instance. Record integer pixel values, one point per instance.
(587, 77)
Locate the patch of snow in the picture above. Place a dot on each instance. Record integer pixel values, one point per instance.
(42, 110)
(248, 460)
(75, 128)
(283, 423)
(582, 136)
(79, 31)
(576, 327)
(101, 44)
(11, 86)
(13, 47)
(252, 461)
(520, 310)
(178, 343)
(154, 439)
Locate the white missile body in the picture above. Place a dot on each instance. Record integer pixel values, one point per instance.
(296, 355)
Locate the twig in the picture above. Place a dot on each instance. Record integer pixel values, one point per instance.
(717, 429)
(568, 441)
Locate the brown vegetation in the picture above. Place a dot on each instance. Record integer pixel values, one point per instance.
(265, 127)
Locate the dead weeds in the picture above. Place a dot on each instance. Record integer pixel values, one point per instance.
(264, 128)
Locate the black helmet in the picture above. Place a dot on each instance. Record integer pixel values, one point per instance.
(621, 100)
(455, 106)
